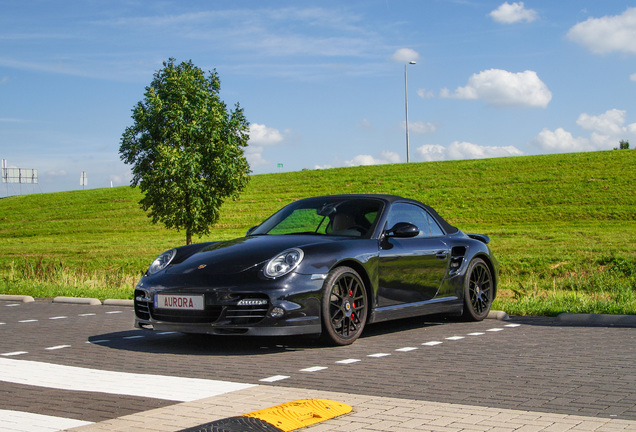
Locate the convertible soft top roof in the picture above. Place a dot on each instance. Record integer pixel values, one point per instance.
(394, 198)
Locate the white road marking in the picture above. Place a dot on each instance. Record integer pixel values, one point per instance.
(3, 323)
(432, 343)
(454, 338)
(494, 329)
(114, 312)
(347, 361)
(314, 369)
(476, 334)
(274, 378)
(124, 383)
(28, 321)
(22, 421)
(58, 317)
(406, 349)
(15, 353)
(378, 355)
(13, 304)
(512, 325)
(87, 314)
(53, 348)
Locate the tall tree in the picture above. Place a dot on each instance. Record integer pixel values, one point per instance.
(186, 149)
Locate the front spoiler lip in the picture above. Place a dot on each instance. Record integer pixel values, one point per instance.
(292, 327)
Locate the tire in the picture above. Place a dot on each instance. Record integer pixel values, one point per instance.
(478, 290)
(344, 306)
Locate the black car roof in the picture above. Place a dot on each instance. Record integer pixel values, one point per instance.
(395, 198)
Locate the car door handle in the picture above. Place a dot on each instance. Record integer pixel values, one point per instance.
(441, 255)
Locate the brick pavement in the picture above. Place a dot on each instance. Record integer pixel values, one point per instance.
(542, 367)
(370, 413)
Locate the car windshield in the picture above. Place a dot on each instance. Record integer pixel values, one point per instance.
(335, 216)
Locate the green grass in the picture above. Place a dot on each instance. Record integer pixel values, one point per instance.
(562, 226)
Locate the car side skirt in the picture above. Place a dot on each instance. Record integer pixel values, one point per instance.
(449, 305)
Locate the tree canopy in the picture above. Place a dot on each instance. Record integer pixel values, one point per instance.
(186, 148)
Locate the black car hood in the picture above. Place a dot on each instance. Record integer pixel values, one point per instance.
(235, 256)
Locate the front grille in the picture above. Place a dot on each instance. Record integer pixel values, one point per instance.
(243, 315)
(240, 310)
(209, 315)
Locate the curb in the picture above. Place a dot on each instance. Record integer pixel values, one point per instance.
(498, 315)
(600, 320)
(118, 302)
(20, 298)
(77, 300)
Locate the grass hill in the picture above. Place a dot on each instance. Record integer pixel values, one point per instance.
(563, 227)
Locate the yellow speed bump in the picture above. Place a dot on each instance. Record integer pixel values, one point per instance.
(301, 413)
(285, 417)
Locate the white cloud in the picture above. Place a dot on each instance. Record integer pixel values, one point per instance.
(431, 152)
(560, 140)
(512, 13)
(502, 88)
(263, 135)
(464, 150)
(609, 123)
(420, 127)
(428, 94)
(607, 130)
(633, 77)
(386, 157)
(404, 55)
(365, 124)
(254, 156)
(607, 34)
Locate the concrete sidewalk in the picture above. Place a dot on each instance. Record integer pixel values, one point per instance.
(369, 414)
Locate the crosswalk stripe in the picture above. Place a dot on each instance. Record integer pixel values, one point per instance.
(23, 421)
(124, 383)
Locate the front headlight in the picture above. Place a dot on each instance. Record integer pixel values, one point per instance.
(283, 263)
(162, 261)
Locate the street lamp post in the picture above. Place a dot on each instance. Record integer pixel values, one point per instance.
(406, 105)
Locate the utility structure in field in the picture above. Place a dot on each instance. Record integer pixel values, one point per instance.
(18, 175)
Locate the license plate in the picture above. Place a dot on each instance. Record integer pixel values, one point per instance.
(180, 302)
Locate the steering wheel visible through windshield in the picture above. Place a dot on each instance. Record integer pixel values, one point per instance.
(336, 216)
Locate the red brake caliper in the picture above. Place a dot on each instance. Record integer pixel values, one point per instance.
(353, 304)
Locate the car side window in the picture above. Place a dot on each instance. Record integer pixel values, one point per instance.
(436, 231)
(404, 212)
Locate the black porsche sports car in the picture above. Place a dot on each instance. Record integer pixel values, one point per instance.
(326, 265)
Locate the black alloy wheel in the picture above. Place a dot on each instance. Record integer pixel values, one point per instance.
(478, 290)
(344, 306)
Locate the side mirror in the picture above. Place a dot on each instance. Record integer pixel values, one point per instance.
(403, 230)
(250, 231)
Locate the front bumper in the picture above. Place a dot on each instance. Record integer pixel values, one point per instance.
(289, 306)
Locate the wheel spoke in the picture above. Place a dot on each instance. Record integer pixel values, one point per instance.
(346, 306)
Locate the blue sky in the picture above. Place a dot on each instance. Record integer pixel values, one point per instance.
(321, 82)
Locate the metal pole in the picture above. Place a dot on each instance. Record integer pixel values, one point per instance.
(406, 108)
